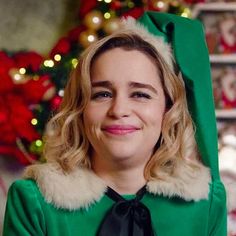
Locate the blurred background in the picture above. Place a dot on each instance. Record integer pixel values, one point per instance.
(39, 45)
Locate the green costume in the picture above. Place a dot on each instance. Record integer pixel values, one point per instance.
(189, 203)
(29, 214)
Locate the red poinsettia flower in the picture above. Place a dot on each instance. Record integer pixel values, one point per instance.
(62, 47)
(6, 63)
(18, 123)
(15, 124)
(35, 91)
(6, 83)
(31, 60)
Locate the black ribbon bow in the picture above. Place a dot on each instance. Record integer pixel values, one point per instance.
(126, 217)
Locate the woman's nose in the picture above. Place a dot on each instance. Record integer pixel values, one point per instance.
(120, 107)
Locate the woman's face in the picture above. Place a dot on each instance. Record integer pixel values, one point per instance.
(124, 116)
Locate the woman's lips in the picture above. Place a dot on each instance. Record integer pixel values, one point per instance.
(120, 129)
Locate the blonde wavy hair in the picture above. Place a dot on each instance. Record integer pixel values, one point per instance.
(66, 141)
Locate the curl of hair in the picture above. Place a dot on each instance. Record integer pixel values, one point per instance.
(66, 141)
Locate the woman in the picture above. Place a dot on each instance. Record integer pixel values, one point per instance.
(121, 154)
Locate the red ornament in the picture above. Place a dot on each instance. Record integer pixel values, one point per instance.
(116, 5)
(55, 102)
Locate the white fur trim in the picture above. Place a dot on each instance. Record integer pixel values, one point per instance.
(82, 187)
(78, 189)
(185, 183)
(164, 49)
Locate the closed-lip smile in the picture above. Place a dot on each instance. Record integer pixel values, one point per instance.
(120, 129)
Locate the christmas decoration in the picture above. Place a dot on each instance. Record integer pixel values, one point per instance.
(157, 5)
(19, 94)
(229, 89)
(31, 86)
(228, 34)
(111, 25)
(93, 20)
(87, 37)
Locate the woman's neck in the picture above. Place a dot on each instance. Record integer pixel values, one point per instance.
(124, 180)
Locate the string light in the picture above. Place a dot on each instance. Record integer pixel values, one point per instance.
(48, 63)
(160, 4)
(34, 121)
(22, 71)
(95, 19)
(107, 15)
(17, 77)
(74, 62)
(186, 12)
(61, 91)
(38, 143)
(57, 57)
(107, 1)
(91, 38)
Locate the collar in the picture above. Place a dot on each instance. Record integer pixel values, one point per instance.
(82, 187)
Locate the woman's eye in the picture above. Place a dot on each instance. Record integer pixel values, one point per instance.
(140, 95)
(101, 95)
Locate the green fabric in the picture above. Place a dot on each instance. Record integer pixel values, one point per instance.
(188, 42)
(27, 214)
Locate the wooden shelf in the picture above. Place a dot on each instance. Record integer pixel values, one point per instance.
(226, 113)
(229, 59)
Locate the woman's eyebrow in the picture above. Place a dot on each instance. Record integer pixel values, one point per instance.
(142, 85)
(106, 84)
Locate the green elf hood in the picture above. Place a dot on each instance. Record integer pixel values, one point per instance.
(187, 40)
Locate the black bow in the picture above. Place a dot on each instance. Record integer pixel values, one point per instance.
(126, 217)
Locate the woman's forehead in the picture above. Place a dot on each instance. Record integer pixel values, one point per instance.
(124, 65)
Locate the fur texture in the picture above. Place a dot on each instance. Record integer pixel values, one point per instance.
(83, 187)
(162, 48)
(70, 191)
(184, 183)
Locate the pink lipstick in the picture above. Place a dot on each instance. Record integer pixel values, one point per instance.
(120, 129)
